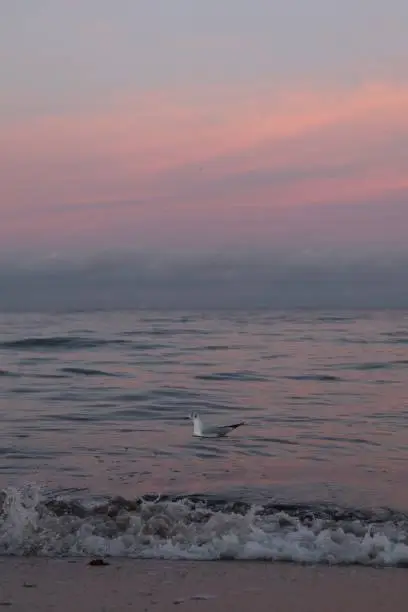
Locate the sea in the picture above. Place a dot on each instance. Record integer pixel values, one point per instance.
(97, 456)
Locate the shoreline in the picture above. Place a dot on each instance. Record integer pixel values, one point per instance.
(32, 584)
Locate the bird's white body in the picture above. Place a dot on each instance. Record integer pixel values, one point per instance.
(211, 431)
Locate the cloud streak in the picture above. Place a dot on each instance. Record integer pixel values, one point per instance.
(161, 162)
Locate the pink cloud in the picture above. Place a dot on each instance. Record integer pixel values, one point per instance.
(190, 155)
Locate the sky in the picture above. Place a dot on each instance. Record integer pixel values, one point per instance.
(245, 132)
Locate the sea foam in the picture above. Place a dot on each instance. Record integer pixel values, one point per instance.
(193, 527)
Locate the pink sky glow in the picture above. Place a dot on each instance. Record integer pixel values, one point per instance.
(225, 160)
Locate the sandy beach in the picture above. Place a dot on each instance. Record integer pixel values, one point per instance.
(73, 585)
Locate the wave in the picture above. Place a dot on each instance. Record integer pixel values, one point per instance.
(334, 319)
(389, 339)
(8, 373)
(315, 377)
(87, 372)
(397, 337)
(199, 527)
(239, 376)
(374, 365)
(57, 342)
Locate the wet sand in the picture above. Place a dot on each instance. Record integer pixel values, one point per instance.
(32, 585)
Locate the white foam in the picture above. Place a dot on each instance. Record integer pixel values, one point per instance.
(181, 530)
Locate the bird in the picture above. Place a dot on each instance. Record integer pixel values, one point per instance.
(211, 431)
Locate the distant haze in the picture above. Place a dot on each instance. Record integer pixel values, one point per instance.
(236, 281)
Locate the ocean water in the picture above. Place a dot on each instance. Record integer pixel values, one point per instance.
(97, 456)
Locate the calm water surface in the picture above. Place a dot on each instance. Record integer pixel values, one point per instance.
(95, 404)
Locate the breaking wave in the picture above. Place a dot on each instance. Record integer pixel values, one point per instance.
(199, 527)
